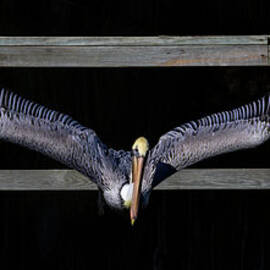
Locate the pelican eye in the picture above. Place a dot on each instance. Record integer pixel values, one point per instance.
(135, 151)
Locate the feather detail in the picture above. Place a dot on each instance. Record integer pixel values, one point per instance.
(244, 127)
(54, 134)
(24, 108)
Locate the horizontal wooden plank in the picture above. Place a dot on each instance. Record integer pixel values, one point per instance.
(188, 179)
(134, 56)
(135, 41)
(134, 51)
(218, 179)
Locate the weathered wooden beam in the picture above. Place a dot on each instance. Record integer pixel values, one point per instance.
(188, 179)
(134, 41)
(134, 51)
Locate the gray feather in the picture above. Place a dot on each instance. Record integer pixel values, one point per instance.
(244, 127)
(56, 135)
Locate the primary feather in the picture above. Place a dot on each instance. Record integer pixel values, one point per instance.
(244, 127)
(58, 136)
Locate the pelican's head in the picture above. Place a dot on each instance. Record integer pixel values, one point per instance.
(130, 192)
(140, 147)
(139, 152)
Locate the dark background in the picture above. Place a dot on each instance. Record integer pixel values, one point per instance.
(180, 229)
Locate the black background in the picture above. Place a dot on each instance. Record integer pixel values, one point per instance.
(180, 229)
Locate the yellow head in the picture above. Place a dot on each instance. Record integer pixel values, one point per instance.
(141, 145)
(139, 151)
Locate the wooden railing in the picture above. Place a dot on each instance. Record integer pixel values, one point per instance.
(216, 179)
(134, 51)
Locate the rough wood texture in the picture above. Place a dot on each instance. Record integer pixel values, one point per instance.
(134, 41)
(133, 51)
(185, 179)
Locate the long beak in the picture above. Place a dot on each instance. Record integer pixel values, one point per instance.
(137, 168)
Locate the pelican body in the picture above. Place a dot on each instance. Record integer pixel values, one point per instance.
(126, 178)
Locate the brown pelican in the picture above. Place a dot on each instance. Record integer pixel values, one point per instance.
(126, 178)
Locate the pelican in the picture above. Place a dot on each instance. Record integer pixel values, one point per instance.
(126, 178)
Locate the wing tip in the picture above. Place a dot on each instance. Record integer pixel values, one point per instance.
(10, 101)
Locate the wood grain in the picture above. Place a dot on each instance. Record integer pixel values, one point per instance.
(188, 179)
(133, 51)
(135, 41)
(135, 56)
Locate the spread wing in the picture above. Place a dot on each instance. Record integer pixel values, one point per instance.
(52, 133)
(244, 127)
